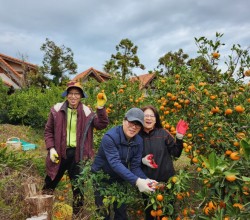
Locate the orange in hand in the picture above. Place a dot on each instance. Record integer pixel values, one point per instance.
(100, 95)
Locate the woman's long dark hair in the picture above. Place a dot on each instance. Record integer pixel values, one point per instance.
(157, 116)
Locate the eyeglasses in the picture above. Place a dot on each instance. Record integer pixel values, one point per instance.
(149, 116)
(134, 124)
(71, 94)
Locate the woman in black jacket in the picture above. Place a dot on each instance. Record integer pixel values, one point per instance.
(159, 148)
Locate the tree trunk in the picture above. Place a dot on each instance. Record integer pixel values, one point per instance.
(39, 204)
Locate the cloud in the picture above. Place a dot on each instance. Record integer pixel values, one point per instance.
(92, 29)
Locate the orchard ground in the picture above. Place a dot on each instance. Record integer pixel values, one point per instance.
(36, 174)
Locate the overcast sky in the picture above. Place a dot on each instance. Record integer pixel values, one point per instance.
(93, 28)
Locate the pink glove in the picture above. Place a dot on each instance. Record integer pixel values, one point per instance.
(181, 129)
(149, 161)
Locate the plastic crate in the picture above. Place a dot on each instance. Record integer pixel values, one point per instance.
(27, 146)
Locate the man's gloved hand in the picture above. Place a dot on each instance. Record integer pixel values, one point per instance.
(152, 184)
(181, 129)
(144, 185)
(101, 99)
(149, 161)
(53, 155)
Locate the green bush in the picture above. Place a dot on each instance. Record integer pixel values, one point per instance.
(3, 101)
(31, 106)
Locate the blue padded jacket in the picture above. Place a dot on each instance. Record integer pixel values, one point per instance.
(118, 157)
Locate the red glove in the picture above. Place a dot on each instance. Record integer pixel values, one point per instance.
(181, 129)
(149, 161)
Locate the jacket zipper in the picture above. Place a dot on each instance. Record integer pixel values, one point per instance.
(128, 153)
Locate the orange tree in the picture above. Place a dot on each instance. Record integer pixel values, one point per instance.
(216, 104)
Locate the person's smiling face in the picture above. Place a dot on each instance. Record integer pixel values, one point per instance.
(73, 97)
(131, 128)
(149, 120)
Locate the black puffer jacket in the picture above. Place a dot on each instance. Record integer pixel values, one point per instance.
(164, 147)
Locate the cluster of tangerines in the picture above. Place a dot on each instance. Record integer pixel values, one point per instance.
(158, 196)
(159, 212)
(211, 207)
(229, 111)
(172, 104)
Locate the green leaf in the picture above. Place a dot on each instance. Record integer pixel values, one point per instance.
(246, 148)
(245, 178)
(212, 162)
(152, 200)
(231, 172)
(221, 167)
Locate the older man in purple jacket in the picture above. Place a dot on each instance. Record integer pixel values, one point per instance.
(69, 138)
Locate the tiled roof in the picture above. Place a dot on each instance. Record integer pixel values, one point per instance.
(9, 67)
(12, 70)
(145, 79)
(15, 60)
(100, 76)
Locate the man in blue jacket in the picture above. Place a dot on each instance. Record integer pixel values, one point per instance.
(120, 155)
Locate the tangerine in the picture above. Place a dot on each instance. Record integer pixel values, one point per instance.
(195, 160)
(207, 211)
(239, 109)
(228, 111)
(100, 95)
(236, 144)
(230, 178)
(238, 205)
(228, 152)
(179, 196)
(174, 179)
(235, 155)
(247, 73)
(212, 205)
(153, 213)
(159, 197)
(215, 55)
(159, 212)
(215, 109)
(189, 135)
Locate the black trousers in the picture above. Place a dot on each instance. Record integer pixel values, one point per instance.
(73, 169)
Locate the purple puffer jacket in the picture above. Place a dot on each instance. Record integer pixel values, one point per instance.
(55, 133)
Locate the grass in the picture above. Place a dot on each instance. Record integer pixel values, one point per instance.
(32, 169)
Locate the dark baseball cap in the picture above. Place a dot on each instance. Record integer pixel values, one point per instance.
(135, 114)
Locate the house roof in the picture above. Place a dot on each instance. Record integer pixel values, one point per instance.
(8, 82)
(12, 69)
(18, 61)
(91, 72)
(145, 79)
